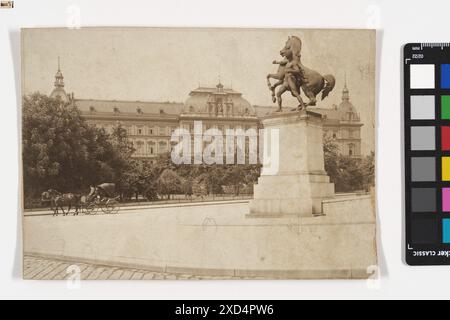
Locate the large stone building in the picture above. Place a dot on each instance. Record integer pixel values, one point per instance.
(343, 124)
(150, 124)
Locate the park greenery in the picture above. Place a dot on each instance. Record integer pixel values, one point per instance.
(61, 150)
(348, 174)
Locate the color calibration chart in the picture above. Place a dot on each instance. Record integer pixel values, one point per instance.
(427, 153)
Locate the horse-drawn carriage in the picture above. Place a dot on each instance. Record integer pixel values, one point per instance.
(101, 197)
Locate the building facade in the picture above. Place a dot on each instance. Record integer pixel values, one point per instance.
(150, 124)
(342, 124)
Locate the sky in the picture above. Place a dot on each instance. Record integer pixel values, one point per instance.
(161, 64)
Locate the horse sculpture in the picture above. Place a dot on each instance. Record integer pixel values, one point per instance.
(58, 200)
(292, 76)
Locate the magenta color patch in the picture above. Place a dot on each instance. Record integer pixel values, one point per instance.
(446, 199)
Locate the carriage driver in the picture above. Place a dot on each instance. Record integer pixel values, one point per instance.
(101, 191)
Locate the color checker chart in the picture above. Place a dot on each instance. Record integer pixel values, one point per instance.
(427, 153)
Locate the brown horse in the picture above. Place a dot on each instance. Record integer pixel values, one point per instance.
(58, 200)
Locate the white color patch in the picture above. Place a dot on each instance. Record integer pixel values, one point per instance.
(422, 76)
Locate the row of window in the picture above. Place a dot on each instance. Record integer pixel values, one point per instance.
(222, 128)
(150, 131)
(141, 129)
(168, 130)
(148, 148)
(344, 134)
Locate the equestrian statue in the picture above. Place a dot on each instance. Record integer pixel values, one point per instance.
(293, 76)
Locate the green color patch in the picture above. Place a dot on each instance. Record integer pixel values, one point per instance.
(445, 107)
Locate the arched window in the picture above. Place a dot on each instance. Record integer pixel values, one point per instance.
(140, 148)
(162, 146)
(151, 147)
(351, 149)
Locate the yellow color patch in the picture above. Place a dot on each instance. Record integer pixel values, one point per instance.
(445, 168)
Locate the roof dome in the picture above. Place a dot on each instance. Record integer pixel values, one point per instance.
(346, 109)
(347, 106)
(60, 93)
(218, 101)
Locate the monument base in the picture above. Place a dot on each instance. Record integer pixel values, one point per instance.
(294, 181)
(291, 194)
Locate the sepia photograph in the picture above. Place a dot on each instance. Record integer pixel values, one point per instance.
(198, 153)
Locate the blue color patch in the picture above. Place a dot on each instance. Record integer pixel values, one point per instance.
(445, 76)
(446, 230)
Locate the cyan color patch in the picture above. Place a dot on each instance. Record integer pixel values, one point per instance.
(446, 230)
(445, 76)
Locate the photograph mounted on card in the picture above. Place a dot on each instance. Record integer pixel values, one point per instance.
(427, 158)
(201, 153)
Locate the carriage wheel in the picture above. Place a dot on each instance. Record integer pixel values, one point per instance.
(111, 207)
(91, 208)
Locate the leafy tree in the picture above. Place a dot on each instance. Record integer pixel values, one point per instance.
(62, 151)
(150, 191)
(55, 145)
(187, 186)
(368, 168)
(140, 177)
(235, 176)
(252, 173)
(122, 146)
(348, 173)
(351, 176)
(331, 155)
(169, 183)
(213, 178)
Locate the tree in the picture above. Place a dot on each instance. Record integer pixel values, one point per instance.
(235, 176)
(368, 167)
(331, 156)
(252, 173)
(122, 146)
(348, 173)
(169, 182)
(62, 151)
(150, 191)
(213, 178)
(55, 144)
(187, 186)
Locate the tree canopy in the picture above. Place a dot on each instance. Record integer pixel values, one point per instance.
(62, 151)
(348, 173)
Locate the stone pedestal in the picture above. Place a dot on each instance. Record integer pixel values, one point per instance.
(298, 183)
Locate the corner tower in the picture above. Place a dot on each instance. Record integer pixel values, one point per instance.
(58, 91)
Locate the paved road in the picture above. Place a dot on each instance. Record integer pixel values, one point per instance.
(39, 268)
(134, 207)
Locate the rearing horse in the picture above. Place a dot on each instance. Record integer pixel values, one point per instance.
(293, 76)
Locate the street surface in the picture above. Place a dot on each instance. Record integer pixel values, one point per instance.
(38, 268)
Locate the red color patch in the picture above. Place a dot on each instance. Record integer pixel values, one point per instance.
(445, 138)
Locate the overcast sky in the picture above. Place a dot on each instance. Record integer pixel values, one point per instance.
(154, 64)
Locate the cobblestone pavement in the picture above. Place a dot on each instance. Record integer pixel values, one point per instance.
(38, 268)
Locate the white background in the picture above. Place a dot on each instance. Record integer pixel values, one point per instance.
(398, 22)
